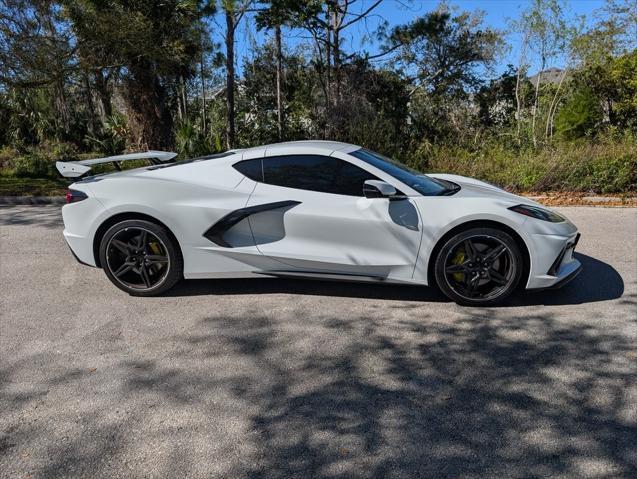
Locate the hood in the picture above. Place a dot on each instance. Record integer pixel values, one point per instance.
(480, 189)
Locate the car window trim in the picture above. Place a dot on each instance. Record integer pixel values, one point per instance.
(331, 156)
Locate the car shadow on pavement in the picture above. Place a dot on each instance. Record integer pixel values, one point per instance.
(306, 287)
(598, 281)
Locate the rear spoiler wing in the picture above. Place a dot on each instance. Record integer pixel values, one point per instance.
(75, 169)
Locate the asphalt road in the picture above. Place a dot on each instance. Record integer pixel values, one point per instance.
(276, 378)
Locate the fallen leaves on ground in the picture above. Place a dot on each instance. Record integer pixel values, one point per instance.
(581, 199)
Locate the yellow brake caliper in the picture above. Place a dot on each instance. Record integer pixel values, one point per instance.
(458, 259)
(154, 247)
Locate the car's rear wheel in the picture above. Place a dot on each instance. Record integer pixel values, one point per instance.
(141, 258)
(479, 266)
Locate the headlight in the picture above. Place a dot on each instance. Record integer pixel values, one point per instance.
(538, 213)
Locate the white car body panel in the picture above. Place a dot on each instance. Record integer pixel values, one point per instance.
(338, 233)
(329, 235)
(479, 201)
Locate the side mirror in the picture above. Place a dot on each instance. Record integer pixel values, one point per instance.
(380, 189)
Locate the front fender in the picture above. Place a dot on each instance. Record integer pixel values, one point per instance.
(446, 219)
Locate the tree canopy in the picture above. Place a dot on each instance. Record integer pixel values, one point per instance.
(82, 76)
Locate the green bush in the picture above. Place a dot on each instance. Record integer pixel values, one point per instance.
(579, 116)
(11, 186)
(33, 165)
(190, 141)
(605, 175)
(37, 162)
(8, 156)
(113, 137)
(608, 166)
(60, 151)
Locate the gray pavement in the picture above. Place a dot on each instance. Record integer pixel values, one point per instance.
(277, 378)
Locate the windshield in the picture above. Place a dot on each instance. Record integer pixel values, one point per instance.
(424, 185)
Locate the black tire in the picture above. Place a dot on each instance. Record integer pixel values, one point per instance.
(141, 258)
(479, 267)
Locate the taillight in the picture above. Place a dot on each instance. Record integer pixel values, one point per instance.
(73, 196)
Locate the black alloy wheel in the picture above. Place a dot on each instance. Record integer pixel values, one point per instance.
(140, 258)
(480, 266)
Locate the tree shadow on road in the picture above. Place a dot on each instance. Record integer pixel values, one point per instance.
(480, 397)
(475, 397)
(43, 216)
(398, 394)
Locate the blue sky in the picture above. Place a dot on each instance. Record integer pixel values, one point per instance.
(497, 13)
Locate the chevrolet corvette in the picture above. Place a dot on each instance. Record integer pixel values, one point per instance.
(311, 209)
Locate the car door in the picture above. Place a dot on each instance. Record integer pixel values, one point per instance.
(321, 221)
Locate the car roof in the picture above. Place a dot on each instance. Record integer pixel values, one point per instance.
(318, 146)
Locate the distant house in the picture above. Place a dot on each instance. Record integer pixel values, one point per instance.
(550, 75)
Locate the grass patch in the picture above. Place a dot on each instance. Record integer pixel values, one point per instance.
(605, 167)
(12, 186)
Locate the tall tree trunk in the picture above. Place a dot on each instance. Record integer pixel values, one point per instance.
(536, 101)
(103, 95)
(518, 104)
(180, 109)
(184, 98)
(203, 97)
(328, 61)
(548, 132)
(279, 80)
(44, 13)
(336, 53)
(230, 130)
(321, 62)
(61, 108)
(612, 117)
(180, 103)
(146, 98)
(90, 106)
(518, 83)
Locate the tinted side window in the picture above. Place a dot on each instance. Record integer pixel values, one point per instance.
(253, 169)
(304, 172)
(350, 179)
(316, 173)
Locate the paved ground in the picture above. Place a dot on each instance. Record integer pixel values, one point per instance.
(274, 378)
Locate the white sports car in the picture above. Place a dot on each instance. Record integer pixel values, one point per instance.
(311, 209)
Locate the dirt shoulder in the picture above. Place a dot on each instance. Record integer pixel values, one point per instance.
(582, 199)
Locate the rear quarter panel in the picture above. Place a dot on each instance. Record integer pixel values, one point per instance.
(188, 199)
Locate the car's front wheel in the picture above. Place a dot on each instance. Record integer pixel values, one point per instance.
(479, 266)
(140, 258)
